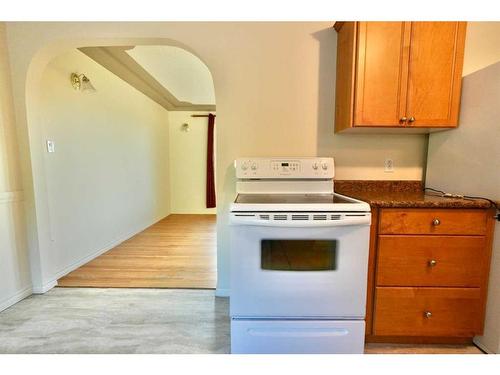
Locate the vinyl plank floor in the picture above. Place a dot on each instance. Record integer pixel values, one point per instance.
(176, 252)
(168, 321)
(121, 321)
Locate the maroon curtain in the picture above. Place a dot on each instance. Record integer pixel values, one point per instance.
(210, 162)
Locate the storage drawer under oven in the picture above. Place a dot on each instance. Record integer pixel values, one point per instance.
(257, 336)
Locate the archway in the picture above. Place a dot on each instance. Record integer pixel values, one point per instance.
(46, 255)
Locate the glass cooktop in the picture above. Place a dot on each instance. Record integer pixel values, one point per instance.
(290, 199)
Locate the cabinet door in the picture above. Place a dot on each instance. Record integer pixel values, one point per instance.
(435, 73)
(381, 73)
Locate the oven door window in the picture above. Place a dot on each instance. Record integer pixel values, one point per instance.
(298, 255)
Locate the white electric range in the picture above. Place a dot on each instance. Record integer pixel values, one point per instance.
(299, 259)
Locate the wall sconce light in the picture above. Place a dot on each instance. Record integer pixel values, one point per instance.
(185, 127)
(81, 83)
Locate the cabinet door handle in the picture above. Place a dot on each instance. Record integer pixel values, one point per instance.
(428, 314)
(403, 119)
(436, 222)
(411, 119)
(432, 263)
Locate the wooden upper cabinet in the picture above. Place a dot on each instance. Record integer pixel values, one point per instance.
(398, 74)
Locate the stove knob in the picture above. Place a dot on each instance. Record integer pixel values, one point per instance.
(244, 166)
(324, 166)
(254, 167)
(315, 166)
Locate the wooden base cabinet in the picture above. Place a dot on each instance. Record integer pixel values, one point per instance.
(428, 284)
(398, 74)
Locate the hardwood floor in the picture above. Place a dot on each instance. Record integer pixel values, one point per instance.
(176, 252)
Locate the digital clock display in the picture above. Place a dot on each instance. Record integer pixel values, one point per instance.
(284, 164)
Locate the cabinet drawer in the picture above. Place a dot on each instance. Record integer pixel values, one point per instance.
(430, 260)
(432, 221)
(454, 312)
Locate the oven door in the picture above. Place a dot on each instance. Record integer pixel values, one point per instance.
(304, 269)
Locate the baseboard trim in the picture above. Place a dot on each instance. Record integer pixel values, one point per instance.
(18, 296)
(45, 287)
(481, 346)
(220, 292)
(52, 282)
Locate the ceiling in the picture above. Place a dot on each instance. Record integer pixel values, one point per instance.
(171, 76)
(178, 70)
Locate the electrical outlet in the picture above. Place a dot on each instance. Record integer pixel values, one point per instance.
(388, 166)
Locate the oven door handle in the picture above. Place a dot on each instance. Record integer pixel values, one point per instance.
(255, 221)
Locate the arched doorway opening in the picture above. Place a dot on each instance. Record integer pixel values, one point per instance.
(118, 160)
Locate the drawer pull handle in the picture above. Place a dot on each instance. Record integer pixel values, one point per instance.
(428, 314)
(432, 262)
(436, 222)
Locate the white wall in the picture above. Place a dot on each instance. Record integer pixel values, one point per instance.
(482, 46)
(108, 178)
(15, 281)
(188, 155)
(467, 161)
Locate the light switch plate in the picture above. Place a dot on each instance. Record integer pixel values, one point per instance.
(51, 147)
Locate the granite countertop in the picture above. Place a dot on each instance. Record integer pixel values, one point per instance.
(408, 194)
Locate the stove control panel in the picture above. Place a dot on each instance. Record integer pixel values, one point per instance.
(284, 168)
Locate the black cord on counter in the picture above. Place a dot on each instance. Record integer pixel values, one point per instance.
(449, 195)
